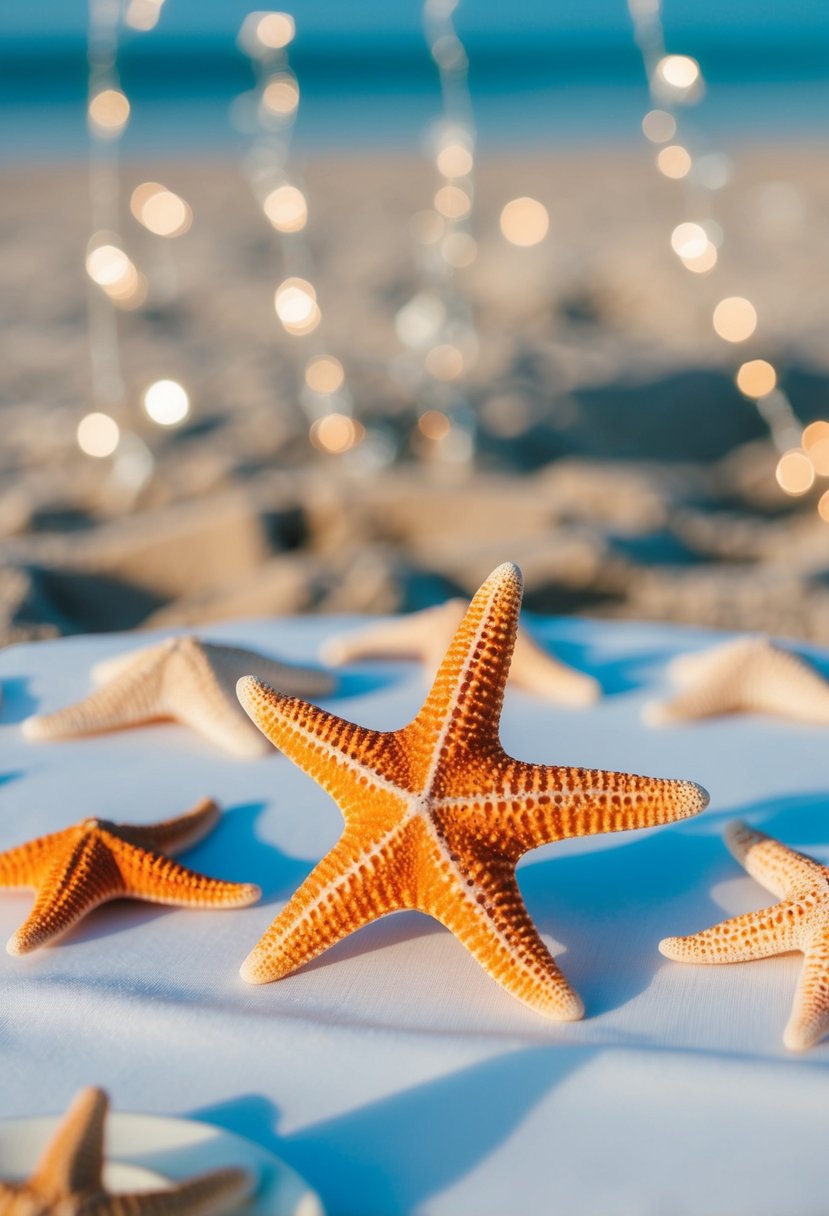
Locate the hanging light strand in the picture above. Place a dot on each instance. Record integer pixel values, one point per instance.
(323, 390)
(436, 324)
(675, 82)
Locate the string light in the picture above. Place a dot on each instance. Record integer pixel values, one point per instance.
(324, 394)
(677, 81)
(160, 210)
(436, 325)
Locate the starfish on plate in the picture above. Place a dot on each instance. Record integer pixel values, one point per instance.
(750, 675)
(190, 681)
(799, 922)
(437, 814)
(68, 1179)
(426, 635)
(75, 870)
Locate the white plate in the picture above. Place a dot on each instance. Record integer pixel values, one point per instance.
(147, 1151)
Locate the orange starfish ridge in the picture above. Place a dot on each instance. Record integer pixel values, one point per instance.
(437, 814)
(79, 868)
(68, 1180)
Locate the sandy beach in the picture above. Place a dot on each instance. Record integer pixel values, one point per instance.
(616, 460)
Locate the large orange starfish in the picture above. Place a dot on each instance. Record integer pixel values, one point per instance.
(437, 814)
(68, 1180)
(75, 870)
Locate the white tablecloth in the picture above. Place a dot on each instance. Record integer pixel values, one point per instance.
(392, 1072)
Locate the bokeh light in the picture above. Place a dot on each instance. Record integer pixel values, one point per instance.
(823, 506)
(108, 113)
(335, 433)
(689, 240)
(286, 209)
(659, 126)
(795, 473)
(679, 71)
(143, 15)
(453, 202)
(444, 362)
(275, 30)
(166, 402)
(524, 221)
(702, 262)
(324, 374)
(113, 271)
(98, 435)
(281, 94)
(434, 425)
(296, 303)
(815, 441)
(419, 321)
(160, 210)
(756, 379)
(674, 161)
(455, 160)
(735, 319)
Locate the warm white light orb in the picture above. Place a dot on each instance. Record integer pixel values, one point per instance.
(659, 126)
(295, 302)
(286, 209)
(735, 319)
(524, 221)
(674, 161)
(166, 402)
(795, 473)
(756, 379)
(98, 435)
(108, 112)
(689, 240)
(324, 374)
(679, 71)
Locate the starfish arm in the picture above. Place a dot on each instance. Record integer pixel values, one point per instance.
(741, 939)
(173, 835)
(490, 919)
(195, 694)
(787, 874)
(536, 670)
(160, 880)
(218, 1193)
(809, 1021)
(420, 635)
(82, 876)
(461, 714)
(343, 758)
(353, 885)
(535, 804)
(133, 697)
(23, 867)
(73, 1160)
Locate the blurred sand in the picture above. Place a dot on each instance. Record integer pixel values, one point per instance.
(617, 462)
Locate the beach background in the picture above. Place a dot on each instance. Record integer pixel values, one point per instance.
(596, 434)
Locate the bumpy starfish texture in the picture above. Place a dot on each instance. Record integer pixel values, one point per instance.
(183, 679)
(751, 675)
(426, 635)
(799, 922)
(437, 814)
(78, 869)
(68, 1180)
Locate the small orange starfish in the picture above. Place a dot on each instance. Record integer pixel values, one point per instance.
(75, 870)
(68, 1180)
(799, 922)
(437, 814)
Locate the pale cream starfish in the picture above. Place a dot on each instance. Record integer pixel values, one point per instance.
(68, 1179)
(437, 814)
(425, 635)
(750, 675)
(78, 869)
(184, 679)
(799, 922)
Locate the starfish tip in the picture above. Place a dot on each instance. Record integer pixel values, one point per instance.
(251, 972)
(698, 797)
(668, 948)
(16, 946)
(656, 713)
(507, 572)
(334, 652)
(800, 1038)
(32, 728)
